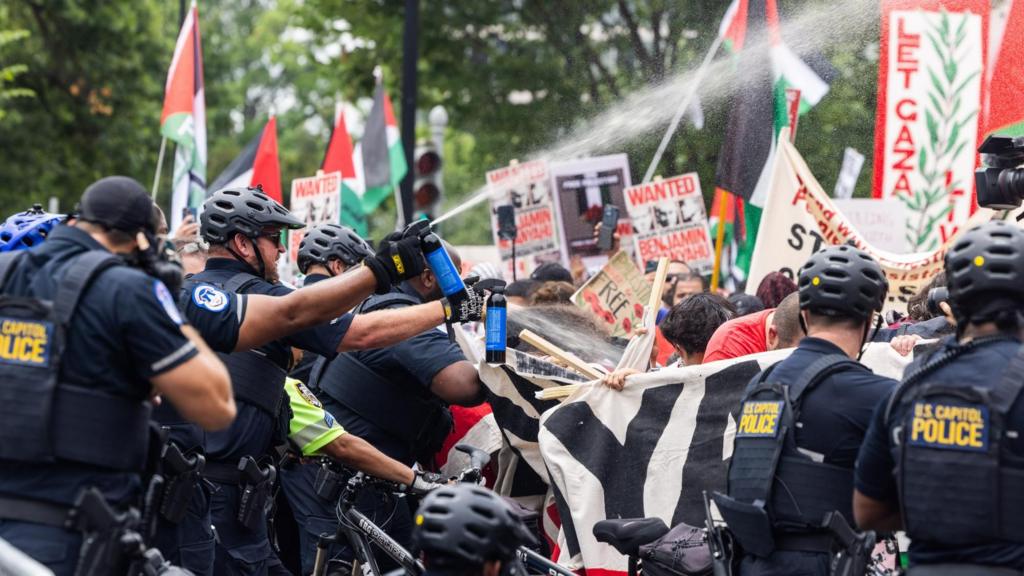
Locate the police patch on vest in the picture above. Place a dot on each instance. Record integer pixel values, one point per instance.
(950, 426)
(759, 419)
(25, 342)
(307, 395)
(209, 298)
(163, 295)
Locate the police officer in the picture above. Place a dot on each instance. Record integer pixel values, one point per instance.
(466, 530)
(944, 457)
(802, 422)
(243, 227)
(397, 397)
(87, 339)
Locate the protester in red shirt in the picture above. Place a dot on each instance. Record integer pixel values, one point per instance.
(769, 329)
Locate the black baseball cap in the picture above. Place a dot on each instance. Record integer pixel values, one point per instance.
(551, 272)
(119, 203)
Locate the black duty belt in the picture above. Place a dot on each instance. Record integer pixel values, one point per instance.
(812, 542)
(35, 512)
(223, 472)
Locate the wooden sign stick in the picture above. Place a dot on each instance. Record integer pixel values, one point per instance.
(659, 286)
(572, 360)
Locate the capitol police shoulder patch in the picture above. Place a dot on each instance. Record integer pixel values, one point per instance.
(209, 298)
(163, 295)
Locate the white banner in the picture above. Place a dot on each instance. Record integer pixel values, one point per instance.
(881, 222)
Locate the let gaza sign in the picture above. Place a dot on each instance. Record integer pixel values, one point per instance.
(669, 220)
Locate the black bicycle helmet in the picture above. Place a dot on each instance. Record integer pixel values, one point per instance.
(842, 281)
(985, 267)
(244, 211)
(331, 240)
(466, 525)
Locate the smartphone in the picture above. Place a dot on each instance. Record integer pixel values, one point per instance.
(186, 212)
(609, 222)
(507, 222)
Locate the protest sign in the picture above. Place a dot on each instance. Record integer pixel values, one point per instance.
(581, 189)
(616, 295)
(804, 220)
(930, 91)
(853, 161)
(651, 449)
(881, 222)
(669, 220)
(315, 200)
(527, 188)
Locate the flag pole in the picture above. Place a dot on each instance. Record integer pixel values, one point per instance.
(682, 107)
(159, 164)
(719, 240)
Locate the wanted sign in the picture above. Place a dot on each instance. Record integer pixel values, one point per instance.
(315, 200)
(526, 187)
(669, 220)
(615, 295)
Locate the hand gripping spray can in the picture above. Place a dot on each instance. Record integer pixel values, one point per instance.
(444, 269)
(495, 326)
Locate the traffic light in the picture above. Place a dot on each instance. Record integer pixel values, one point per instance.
(427, 188)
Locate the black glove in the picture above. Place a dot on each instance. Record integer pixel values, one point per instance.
(396, 261)
(465, 306)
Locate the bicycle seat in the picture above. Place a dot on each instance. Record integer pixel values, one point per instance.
(627, 534)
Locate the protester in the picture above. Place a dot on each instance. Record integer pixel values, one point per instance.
(745, 303)
(551, 272)
(803, 421)
(520, 291)
(943, 458)
(552, 293)
(770, 329)
(773, 288)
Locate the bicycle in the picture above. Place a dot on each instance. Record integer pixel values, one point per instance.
(360, 532)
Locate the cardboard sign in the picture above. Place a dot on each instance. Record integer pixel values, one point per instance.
(315, 200)
(930, 92)
(581, 189)
(669, 220)
(527, 188)
(881, 222)
(804, 220)
(616, 295)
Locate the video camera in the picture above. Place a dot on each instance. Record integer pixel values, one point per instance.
(1000, 181)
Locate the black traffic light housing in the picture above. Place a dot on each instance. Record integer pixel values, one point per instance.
(427, 189)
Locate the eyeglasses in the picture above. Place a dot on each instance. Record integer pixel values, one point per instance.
(274, 237)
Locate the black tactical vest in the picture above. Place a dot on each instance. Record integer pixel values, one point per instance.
(773, 487)
(952, 475)
(41, 418)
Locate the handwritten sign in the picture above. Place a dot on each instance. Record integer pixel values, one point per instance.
(615, 295)
(670, 220)
(315, 200)
(527, 188)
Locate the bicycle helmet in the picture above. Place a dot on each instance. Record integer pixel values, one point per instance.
(466, 525)
(985, 268)
(244, 211)
(27, 229)
(842, 281)
(328, 241)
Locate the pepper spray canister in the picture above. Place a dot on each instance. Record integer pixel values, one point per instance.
(495, 326)
(441, 264)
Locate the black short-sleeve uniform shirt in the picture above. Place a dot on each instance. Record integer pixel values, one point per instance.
(305, 366)
(413, 362)
(251, 433)
(125, 330)
(876, 470)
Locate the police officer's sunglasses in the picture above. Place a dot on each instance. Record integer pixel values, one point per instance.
(273, 236)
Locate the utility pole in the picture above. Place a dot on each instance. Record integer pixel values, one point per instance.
(410, 58)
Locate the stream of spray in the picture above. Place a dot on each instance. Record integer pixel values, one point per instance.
(566, 330)
(811, 30)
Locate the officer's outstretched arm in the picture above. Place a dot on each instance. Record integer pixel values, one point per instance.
(199, 388)
(458, 384)
(269, 318)
(361, 455)
(387, 327)
(875, 515)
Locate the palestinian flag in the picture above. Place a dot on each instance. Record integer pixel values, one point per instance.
(256, 165)
(1004, 112)
(757, 114)
(338, 158)
(379, 154)
(184, 118)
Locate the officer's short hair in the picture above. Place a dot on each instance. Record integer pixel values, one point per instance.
(787, 321)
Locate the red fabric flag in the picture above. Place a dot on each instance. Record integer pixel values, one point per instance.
(266, 169)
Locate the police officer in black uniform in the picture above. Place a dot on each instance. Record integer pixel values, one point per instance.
(802, 422)
(944, 457)
(243, 228)
(86, 339)
(466, 530)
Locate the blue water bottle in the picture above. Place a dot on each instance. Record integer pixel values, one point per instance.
(441, 264)
(495, 326)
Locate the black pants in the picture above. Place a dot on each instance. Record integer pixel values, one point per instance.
(190, 543)
(786, 563)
